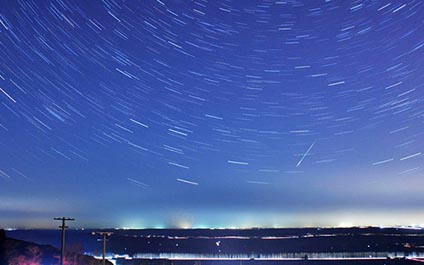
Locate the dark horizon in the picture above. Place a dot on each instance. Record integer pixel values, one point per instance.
(371, 245)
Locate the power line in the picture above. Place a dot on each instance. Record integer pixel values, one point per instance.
(104, 234)
(63, 226)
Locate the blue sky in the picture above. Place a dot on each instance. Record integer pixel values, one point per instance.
(211, 113)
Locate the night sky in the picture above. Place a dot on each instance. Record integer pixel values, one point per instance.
(211, 113)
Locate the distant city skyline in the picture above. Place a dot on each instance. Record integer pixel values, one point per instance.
(211, 114)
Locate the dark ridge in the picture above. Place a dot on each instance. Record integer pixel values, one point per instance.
(13, 251)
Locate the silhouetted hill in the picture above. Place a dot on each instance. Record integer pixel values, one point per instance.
(15, 252)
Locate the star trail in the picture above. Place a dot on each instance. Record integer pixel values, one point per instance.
(211, 113)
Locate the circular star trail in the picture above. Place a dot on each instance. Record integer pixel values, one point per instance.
(211, 113)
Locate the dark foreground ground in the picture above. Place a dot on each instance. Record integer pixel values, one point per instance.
(230, 243)
(19, 252)
(326, 262)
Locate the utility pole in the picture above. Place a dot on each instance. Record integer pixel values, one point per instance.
(63, 226)
(104, 234)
